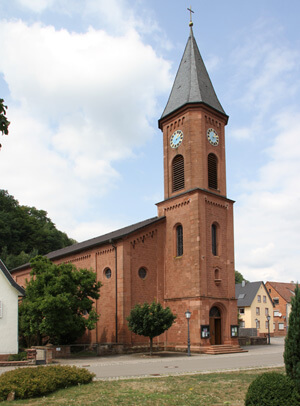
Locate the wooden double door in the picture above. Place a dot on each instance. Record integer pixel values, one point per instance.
(215, 326)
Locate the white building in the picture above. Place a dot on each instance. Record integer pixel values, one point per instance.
(9, 297)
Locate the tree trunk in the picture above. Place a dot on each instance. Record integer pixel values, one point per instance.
(39, 338)
(151, 345)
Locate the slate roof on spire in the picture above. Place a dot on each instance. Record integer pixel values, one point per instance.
(192, 83)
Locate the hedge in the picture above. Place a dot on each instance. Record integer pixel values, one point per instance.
(32, 382)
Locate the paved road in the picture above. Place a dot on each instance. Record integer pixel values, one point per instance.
(138, 365)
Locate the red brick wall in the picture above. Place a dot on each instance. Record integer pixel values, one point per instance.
(143, 250)
(181, 273)
(190, 280)
(218, 211)
(194, 122)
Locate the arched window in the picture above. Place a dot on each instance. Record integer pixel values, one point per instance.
(178, 173)
(214, 239)
(107, 273)
(212, 167)
(179, 241)
(214, 312)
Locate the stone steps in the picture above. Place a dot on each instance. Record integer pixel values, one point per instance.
(223, 349)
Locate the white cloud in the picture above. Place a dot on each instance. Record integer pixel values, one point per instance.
(268, 214)
(117, 16)
(264, 79)
(36, 5)
(242, 133)
(79, 102)
(85, 230)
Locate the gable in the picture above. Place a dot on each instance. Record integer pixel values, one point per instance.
(246, 294)
(8, 279)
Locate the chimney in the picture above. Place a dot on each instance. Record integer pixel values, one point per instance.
(243, 284)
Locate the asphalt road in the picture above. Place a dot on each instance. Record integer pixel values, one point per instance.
(162, 364)
(141, 365)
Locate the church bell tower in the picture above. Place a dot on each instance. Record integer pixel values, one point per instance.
(199, 248)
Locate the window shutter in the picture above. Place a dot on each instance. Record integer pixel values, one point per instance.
(212, 163)
(178, 173)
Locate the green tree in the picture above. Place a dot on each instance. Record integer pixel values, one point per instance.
(292, 341)
(58, 304)
(25, 232)
(150, 320)
(4, 123)
(239, 277)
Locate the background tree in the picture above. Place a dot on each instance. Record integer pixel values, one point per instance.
(292, 341)
(58, 303)
(4, 123)
(239, 277)
(150, 320)
(25, 232)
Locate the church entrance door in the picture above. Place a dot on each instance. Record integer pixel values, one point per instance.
(215, 326)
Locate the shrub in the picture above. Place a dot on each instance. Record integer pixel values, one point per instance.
(272, 389)
(38, 381)
(21, 356)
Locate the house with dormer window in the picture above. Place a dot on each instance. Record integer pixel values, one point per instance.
(254, 306)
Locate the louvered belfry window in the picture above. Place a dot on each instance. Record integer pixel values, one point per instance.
(178, 173)
(212, 162)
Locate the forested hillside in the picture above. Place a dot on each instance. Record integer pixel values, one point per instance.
(26, 232)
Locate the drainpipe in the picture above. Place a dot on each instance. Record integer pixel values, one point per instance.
(116, 288)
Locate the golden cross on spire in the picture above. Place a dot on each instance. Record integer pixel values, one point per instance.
(191, 20)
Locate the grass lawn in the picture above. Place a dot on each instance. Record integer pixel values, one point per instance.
(227, 388)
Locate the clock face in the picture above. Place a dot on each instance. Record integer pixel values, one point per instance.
(176, 139)
(212, 137)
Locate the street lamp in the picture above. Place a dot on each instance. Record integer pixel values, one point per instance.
(188, 316)
(256, 322)
(268, 318)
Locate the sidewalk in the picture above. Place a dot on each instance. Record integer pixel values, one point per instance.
(168, 363)
(142, 365)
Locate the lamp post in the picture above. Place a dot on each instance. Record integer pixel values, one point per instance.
(188, 316)
(268, 318)
(256, 321)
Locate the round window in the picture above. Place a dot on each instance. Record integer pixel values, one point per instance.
(107, 273)
(142, 273)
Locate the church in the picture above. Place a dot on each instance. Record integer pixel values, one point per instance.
(183, 257)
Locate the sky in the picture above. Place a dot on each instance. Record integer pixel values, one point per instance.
(86, 81)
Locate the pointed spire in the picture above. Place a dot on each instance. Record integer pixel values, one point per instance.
(192, 83)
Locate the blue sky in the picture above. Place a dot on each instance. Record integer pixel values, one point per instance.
(86, 81)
